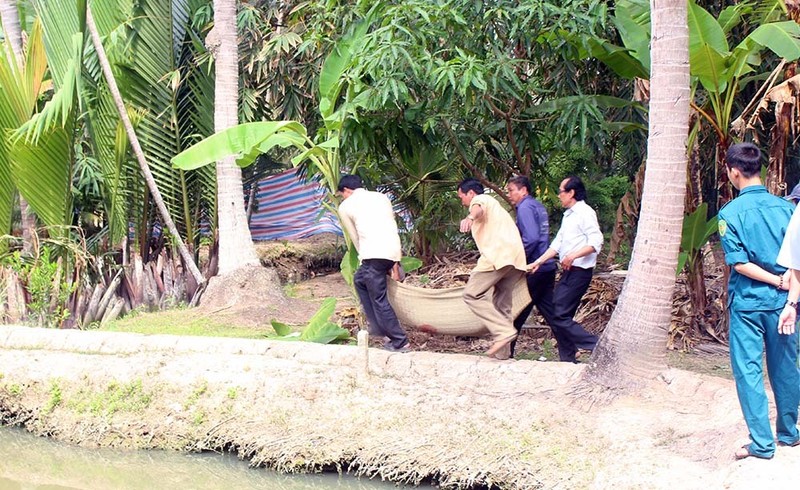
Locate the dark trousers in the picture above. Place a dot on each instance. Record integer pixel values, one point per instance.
(567, 295)
(540, 288)
(370, 282)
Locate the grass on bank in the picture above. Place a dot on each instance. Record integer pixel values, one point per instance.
(185, 321)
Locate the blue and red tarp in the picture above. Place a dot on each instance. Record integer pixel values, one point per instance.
(289, 206)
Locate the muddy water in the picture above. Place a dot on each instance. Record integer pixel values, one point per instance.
(29, 462)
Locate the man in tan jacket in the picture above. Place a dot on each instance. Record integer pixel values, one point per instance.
(501, 265)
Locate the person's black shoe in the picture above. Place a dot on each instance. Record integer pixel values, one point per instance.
(402, 350)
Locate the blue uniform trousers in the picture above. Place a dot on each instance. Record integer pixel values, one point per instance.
(750, 332)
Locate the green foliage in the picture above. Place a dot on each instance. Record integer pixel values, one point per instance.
(194, 397)
(43, 277)
(182, 321)
(247, 141)
(319, 329)
(15, 389)
(410, 264)
(199, 418)
(19, 90)
(55, 397)
(423, 76)
(349, 264)
(605, 195)
(695, 234)
(117, 397)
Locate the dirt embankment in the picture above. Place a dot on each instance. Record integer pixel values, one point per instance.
(462, 420)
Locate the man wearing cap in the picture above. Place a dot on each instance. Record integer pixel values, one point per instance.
(751, 228)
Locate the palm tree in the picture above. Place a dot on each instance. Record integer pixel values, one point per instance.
(632, 346)
(236, 247)
(137, 149)
(9, 15)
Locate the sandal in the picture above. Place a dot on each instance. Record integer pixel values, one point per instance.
(794, 444)
(498, 346)
(744, 452)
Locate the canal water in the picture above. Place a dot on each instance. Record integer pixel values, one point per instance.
(28, 462)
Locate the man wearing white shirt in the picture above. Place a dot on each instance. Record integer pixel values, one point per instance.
(368, 218)
(789, 257)
(576, 244)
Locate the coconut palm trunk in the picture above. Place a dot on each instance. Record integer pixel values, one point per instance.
(137, 150)
(236, 247)
(9, 15)
(633, 346)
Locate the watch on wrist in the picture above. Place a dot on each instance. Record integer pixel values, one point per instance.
(793, 304)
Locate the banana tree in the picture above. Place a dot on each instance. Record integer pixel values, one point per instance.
(722, 71)
(719, 72)
(339, 101)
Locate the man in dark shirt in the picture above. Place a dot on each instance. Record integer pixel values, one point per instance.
(534, 228)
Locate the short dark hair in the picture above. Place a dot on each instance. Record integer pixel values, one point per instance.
(521, 181)
(470, 184)
(574, 183)
(745, 157)
(349, 181)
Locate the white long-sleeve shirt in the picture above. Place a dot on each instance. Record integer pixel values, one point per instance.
(789, 255)
(368, 218)
(579, 228)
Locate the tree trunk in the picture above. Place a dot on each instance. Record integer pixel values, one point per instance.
(9, 15)
(632, 348)
(11, 28)
(137, 149)
(236, 247)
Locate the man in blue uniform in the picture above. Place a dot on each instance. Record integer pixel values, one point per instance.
(751, 229)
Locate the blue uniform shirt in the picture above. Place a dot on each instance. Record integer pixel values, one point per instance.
(534, 228)
(751, 229)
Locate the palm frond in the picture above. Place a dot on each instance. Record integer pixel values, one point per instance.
(43, 174)
(60, 110)
(151, 84)
(10, 104)
(61, 22)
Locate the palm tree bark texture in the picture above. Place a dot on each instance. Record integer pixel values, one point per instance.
(632, 349)
(236, 247)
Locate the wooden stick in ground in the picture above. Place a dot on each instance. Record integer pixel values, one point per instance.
(137, 149)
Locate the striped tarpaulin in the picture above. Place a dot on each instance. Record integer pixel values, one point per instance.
(288, 207)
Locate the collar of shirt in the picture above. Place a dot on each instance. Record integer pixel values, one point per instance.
(575, 207)
(527, 196)
(753, 188)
